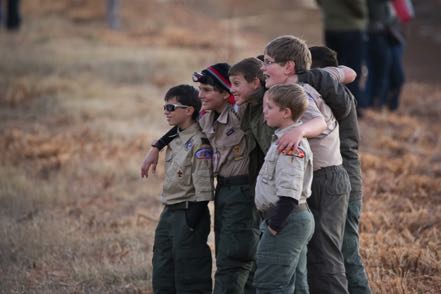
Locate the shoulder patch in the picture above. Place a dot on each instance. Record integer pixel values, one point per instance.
(204, 153)
(295, 152)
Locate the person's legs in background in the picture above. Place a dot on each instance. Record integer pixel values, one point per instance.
(378, 59)
(396, 77)
(350, 48)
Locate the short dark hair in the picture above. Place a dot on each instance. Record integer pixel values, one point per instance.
(186, 95)
(323, 56)
(250, 68)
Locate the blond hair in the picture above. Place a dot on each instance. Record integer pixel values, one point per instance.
(292, 97)
(290, 48)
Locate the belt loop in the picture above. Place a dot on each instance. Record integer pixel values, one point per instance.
(186, 204)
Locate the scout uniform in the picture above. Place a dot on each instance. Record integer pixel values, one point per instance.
(329, 204)
(340, 102)
(259, 133)
(181, 257)
(236, 218)
(281, 259)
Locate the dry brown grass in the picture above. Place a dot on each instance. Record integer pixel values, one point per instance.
(79, 104)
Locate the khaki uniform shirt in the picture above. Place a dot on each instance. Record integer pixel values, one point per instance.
(230, 153)
(326, 146)
(288, 175)
(188, 168)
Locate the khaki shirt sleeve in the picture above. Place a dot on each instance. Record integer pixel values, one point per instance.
(290, 171)
(337, 73)
(311, 111)
(202, 174)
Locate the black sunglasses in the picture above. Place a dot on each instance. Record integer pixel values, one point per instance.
(172, 107)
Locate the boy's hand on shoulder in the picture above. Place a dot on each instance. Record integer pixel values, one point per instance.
(290, 140)
(150, 162)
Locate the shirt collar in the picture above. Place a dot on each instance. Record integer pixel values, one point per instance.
(280, 132)
(186, 134)
(223, 117)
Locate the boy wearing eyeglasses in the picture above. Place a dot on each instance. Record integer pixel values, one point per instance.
(285, 59)
(181, 257)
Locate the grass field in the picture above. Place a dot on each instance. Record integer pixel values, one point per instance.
(79, 105)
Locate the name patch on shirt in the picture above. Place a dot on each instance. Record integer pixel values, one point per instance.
(294, 152)
(230, 131)
(204, 153)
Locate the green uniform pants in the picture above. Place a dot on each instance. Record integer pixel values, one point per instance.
(181, 257)
(236, 236)
(281, 259)
(355, 272)
(329, 205)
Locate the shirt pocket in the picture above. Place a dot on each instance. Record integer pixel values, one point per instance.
(269, 168)
(178, 171)
(236, 144)
(184, 170)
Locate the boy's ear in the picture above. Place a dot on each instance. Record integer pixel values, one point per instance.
(256, 83)
(290, 67)
(287, 113)
(189, 110)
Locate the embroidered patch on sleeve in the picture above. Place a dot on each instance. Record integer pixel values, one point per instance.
(294, 152)
(204, 153)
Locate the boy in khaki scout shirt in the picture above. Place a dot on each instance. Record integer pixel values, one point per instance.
(283, 185)
(236, 218)
(181, 257)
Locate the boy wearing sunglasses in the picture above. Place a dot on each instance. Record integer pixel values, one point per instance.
(181, 257)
